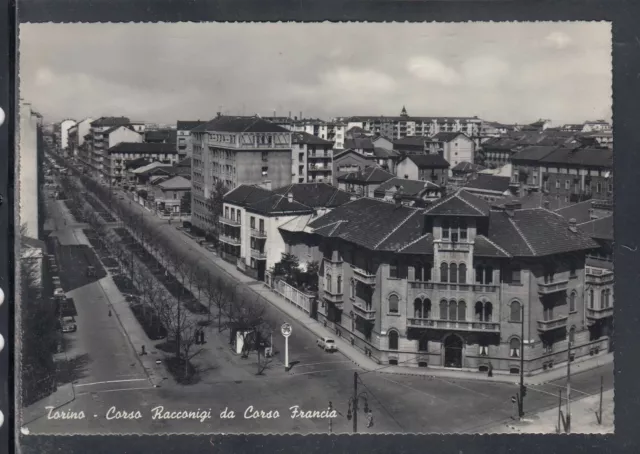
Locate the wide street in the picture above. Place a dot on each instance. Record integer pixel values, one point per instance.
(399, 403)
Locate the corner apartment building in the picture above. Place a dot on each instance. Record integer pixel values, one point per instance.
(454, 147)
(183, 133)
(569, 174)
(405, 125)
(30, 171)
(312, 159)
(333, 131)
(451, 285)
(76, 134)
(65, 125)
(236, 151)
(100, 141)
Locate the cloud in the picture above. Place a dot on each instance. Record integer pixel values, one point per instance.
(558, 40)
(432, 70)
(485, 71)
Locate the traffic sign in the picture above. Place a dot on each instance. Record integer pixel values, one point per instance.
(285, 329)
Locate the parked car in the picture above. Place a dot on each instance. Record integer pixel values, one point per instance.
(327, 344)
(68, 324)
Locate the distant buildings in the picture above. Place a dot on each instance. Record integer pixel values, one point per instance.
(100, 140)
(116, 157)
(183, 136)
(311, 159)
(426, 167)
(76, 138)
(64, 134)
(232, 151)
(363, 183)
(30, 171)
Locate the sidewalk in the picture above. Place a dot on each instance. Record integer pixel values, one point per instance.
(583, 418)
(63, 395)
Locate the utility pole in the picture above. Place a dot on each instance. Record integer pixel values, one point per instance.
(523, 391)
(355, 402)
(330, 419)
(559, 427)
(568, 426)
(599, 414)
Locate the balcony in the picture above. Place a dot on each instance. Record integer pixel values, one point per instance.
(258, 233)
(446, 245)
(594, 315)
(335, 298)
(549, 288)
(598, 276)
(545, 326)
(421, 285)
(319, 155)
(258, 255)
(233, 241)
(464, 325)
(228, 221)
(364, 276)
(365, 312)
(317, 168)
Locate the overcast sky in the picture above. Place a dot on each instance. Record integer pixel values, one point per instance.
(509, 72)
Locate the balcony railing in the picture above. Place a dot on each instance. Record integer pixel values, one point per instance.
(335, 298)
(599, 314)
(548, 288)
(447, 245)
(549, 325)
(598, 276)
(317, 168)
(421, 285)
(334, 262)
(259, 255)
(258, 233)
(228, 221)
(233, 241)
(454, 325)
(319, 155)
(364, 276)
(362, 311)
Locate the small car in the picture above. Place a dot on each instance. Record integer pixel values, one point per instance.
(327, 344)
(68, 325)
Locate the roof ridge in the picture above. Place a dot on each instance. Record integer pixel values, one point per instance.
(467, 202)
(396, 228)
(522, 236)
(596, 219)
(414, 242)
(336, 226)
(496, 245)
(437, 204)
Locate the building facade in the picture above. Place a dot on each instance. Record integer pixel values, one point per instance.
(233, 151)
(455, 285)
(31, 156)
(64, 134)
(454, 147)
(116, 158)
(428, 167)
(311, 159)
(183, 134)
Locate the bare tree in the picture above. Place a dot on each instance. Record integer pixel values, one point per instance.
(248, 318)
(219, 294)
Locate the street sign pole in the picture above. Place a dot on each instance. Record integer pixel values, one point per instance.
(285, 329)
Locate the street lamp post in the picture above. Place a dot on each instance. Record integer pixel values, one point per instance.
(354, 405)
(523, 390)
(286, 332)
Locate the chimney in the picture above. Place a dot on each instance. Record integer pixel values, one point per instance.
(218, 114)
(510, 208)
(266, 184)
(546, 204)
(352, 197)
(290, 197)
(572, 225)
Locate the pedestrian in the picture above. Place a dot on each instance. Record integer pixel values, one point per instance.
(202, 341)
(490, 374)
(197, 337)
(109, 312)
(144, 351)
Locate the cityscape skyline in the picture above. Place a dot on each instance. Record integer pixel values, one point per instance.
(481, 69)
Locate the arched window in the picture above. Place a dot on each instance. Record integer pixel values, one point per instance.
(462, 274)
(427, 272)
(607, 299)
(572, 302)
(444, 272)
(418, 270)
(572, 335)
(328, 282)
(479, 312)
(514, 348)
(488, 275)
(462, 310)
(339, 285)
(479, 274)
(417, 308)
(393, 340)
(516, 312)
(426, 308)
(603, 295)
(591, 299)
(393, 304)
(443, 309)
(453, 273)
(488, 311)
(453, 310)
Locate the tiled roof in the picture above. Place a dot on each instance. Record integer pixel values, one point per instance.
(600, 229)
(461, 203)
(423, 245)
(188, 125)
(186, 162)
(488, 182)
(379, 152)
(370, 223)
(408, 187)
(161, 135)
(599, 263)
(113, 128)
(278, 204)
(177, 182)
(239, 124)
(428, 161)
(535, 153)
(412, 141)
(484, 247)
(297, 224)
(446, 136)
(315, 195)
(466, 167)
(358, 143)
(536, 232)
(151, 148)
(308, 139)
(135, 163)
(581, 211)
(246, 194)
(111, 121)
(32, 242)
(591, 157)
(367, 175)
(151, 166)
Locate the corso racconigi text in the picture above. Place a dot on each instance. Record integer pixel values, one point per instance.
(201, 415)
